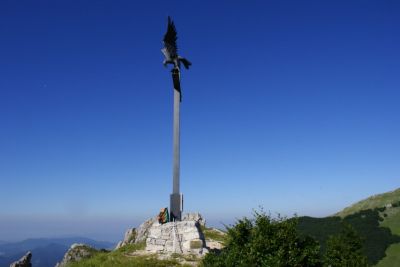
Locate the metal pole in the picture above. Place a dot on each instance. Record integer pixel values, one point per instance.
(176, 198)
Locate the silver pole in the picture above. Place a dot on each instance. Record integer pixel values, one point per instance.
(176, 198)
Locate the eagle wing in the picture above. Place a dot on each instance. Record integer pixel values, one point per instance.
(170, 38)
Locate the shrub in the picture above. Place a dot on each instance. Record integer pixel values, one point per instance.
(264, 241)
(345, 249)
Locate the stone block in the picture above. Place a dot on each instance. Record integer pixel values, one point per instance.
(155, 233)
(160, 242)
(190, 236)
(196, 244)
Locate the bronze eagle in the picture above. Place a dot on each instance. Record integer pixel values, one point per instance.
(170, 49)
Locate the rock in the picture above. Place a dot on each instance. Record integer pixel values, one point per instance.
(194, 216)
(138, 235)
(129, 238)
(25, 261)
(76, 253)
(214, 245)
(143, 229)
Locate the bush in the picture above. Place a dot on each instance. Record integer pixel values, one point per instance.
(345, 249)
(264, 241)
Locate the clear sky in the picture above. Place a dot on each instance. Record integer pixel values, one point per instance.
(289, 105)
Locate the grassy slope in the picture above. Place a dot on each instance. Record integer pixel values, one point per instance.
(391, 221)
(392, 258)
(214, 234)
(121, 258)
(372, 202)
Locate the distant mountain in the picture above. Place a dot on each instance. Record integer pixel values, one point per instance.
(46, 251)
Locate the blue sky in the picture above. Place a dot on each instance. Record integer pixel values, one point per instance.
(289, 105)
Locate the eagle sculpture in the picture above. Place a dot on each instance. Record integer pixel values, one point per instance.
(170, 49)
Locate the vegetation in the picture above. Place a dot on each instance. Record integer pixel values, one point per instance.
(264, 241)
(376, 239)
(388, 206)
(376, 201)
(392, 257)
(392, 220)
(214, 234)
(345, 249)
(122, 258)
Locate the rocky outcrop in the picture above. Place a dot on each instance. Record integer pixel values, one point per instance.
(129, 238)
(143, 230)
(25, 261)
(138, 235)
(183, 237)
(76, 253)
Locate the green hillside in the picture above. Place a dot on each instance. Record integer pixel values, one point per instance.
(376, 239)
(388, 206)
(375, 201)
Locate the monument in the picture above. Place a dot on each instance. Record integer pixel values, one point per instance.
(170, 52)
(180, 234)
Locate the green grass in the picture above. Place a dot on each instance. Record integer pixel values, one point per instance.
(372, 202)
(392, 258)
(210, 233)
(121, 258)
(392, 220)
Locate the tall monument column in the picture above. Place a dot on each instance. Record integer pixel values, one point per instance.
(170, 52)
(176, 198)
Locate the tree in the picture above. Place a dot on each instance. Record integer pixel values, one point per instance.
(345, 249)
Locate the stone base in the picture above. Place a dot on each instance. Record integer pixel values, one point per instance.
(183, 237)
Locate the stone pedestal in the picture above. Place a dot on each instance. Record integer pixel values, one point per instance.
(183, 237)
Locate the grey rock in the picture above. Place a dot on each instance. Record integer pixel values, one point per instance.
(194, 216)
(76, 253)
(143, 230)
(25, 261)
(129, 238)
(133, 236)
